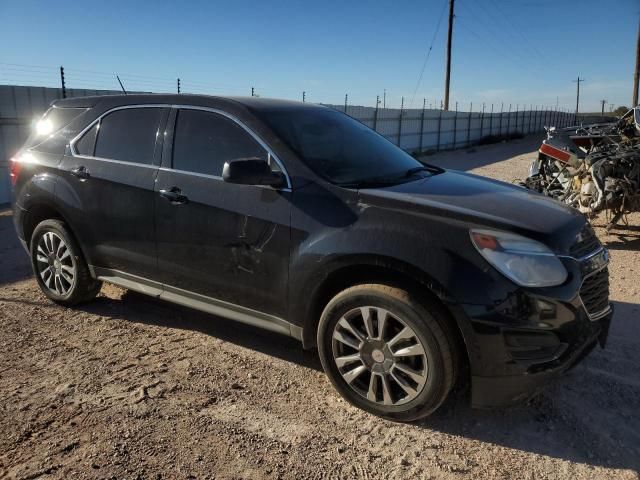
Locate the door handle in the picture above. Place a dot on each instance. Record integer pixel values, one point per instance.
(174, 195)
(80, 172)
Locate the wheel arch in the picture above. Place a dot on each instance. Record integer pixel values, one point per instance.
(39, 211)
(352, 271)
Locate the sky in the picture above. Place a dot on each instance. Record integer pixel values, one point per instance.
(518, 52)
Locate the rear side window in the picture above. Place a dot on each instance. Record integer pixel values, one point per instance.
(204, 141)
(129, 135)
(86, 144)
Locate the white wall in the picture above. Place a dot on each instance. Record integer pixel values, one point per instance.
(20, 106)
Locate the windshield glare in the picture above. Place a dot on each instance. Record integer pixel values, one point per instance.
(339, 148)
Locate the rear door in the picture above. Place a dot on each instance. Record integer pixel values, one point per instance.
(108, 187)
(225, 241)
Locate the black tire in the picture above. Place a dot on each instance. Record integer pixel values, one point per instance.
(428, 322)
(84, 287)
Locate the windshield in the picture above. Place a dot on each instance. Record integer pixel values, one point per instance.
(339, 148)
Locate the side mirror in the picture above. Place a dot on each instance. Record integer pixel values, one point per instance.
(252, 172)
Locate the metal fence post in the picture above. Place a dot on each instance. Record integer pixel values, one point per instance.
(424, 104)
(501, 113)
(178, 85)
(482, 121)
(491, 121)
(455, 126)
(64, 86)
(400, 121)
(469, 125)
(516, 118)
(530, 110)
(375, 113)
(439, 125)
(509, 121)
(346, 97)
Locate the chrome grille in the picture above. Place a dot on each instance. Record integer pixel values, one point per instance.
(594, 293)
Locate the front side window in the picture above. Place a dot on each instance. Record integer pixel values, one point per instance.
(204, 141)
(129, 135)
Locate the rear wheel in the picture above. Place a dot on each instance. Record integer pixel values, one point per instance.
(60, 268)
(387, 352)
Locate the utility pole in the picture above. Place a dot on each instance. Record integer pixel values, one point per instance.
(447, 80)
(64, 87)
(384, 99)
(252, 92)
(346, 98)
(578, 95)
(178, 85)
(636, 76)
(602, 102)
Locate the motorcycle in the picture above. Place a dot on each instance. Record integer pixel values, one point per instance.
(592, 168)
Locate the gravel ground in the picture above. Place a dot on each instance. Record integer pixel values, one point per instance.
(132, 387)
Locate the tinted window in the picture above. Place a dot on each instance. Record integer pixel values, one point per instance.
(204, 141)
(53, 120)
(337, 147)
(129, 135)
(85, 144)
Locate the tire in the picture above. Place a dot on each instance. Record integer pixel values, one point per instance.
(59, 266)
(420, 368)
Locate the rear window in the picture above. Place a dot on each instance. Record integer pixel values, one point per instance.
(52, 121)
(129, 135)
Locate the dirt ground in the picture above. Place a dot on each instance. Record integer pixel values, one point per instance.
(132, 387)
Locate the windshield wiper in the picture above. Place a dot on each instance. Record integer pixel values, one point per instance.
(424, 168)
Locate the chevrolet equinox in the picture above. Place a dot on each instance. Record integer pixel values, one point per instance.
(409, 279)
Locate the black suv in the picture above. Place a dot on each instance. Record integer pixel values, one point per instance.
(409, 279)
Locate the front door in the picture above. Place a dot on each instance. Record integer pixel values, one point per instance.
(224, 241)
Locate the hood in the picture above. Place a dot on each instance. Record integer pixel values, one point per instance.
(478, 200)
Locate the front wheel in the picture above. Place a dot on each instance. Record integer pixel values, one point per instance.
(387, 352)
(60, 268)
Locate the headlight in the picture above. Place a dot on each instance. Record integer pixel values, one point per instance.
(524, 261)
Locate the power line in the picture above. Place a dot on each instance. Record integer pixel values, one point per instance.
(428, 54)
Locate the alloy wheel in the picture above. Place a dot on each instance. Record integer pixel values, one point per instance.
(55, 264)
(379, 356)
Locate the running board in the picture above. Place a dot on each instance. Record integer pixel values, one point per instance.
(198, 302)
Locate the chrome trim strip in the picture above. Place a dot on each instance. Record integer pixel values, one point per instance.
(184, 107)
(585, 257)
(121, 162)
(198, 302)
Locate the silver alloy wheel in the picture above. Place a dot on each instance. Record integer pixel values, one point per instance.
(55, 264)
(379, 356)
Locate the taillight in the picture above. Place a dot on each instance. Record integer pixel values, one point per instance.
(14, 170)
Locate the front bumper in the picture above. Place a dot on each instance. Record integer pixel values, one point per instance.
(519, 339)
(497, 391)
